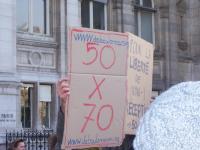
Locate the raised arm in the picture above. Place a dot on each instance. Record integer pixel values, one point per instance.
(63, 92)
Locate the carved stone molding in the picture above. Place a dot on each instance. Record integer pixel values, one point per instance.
(36, 40)
(164, 12)
(117, 4)
(163, 6)
(182, 45)
(181, 6)
(163, 3)
(10, 88)
(36, 57)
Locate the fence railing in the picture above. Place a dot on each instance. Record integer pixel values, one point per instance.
(34, 139)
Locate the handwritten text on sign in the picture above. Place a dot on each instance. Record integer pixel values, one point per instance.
(140, 68)
(95, 113)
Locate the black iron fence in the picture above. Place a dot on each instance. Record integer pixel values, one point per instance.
(34, 139)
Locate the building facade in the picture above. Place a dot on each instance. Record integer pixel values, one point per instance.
(33, 48)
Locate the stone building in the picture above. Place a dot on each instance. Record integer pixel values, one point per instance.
(33, 48)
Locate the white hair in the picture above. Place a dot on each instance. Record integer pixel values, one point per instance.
(172, 122)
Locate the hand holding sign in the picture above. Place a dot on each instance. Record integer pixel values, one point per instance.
(63, 91)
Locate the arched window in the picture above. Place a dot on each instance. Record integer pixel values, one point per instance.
(144, 19)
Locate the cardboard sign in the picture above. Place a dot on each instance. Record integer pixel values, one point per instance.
(139, 74)
(97, 69)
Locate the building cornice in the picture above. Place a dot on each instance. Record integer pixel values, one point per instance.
(36, 40)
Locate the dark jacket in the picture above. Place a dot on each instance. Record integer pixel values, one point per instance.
(60, 129)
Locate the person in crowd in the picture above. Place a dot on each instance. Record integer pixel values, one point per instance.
(172, 121)
(18, 144)
(52, 140)
(63, 93)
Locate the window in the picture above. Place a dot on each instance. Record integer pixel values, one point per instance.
(44, 105)
(26, 105)
(22, 15)
(44, 108)
(33, 16)
(94, 14)
(144, 19)
(36, 104)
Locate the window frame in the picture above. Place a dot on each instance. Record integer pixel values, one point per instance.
(28, 85)
(35, 122)
(49, 114)
(30, 19)
(91, 17)
(49, 103)
(140, 8)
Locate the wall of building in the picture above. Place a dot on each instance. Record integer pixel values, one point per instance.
(38, 59)
(9, 83)
(27, 58)
(41, 60)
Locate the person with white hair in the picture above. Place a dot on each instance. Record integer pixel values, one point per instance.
(172, 121)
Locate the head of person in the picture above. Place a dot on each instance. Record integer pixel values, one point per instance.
(19, 144)
(52, 141)
(172, 121)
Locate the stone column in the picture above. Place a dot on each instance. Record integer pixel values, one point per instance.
(128, 16)
(194, 36)
(69, 17)
(173, 39)
(73, 13)
(195, 27)
(164, 38)
(117, 15)
(8, 37)
(9, 85)
(168, 41)
(63, 39)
